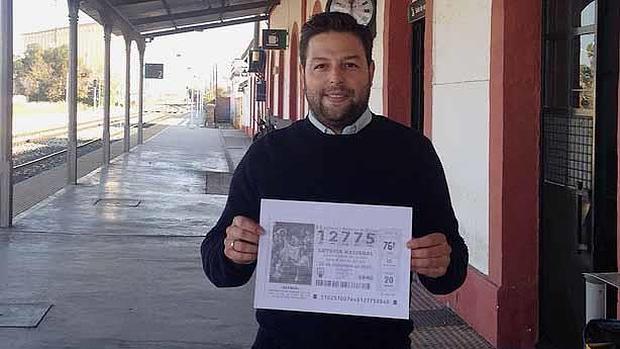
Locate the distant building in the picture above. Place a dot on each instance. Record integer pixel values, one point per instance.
(90, 43)
(91, 53)
(239, 96)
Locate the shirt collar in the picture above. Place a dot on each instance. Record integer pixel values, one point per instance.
(354, 128)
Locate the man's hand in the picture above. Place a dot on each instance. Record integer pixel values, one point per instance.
(430, 255)
(241, 242)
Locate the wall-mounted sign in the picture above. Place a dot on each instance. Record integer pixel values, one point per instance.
(275, 39)
(417, 10)
(153, 71)
(256, 61)
(261, 91)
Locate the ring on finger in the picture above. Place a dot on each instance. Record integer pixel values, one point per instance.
(232, 244)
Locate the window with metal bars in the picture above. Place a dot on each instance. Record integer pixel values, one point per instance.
(568, 94)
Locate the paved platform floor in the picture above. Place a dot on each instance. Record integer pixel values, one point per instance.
(117, 257)
(31, 191)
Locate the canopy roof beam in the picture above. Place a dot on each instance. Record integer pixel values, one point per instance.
(202, 27)
(200, 13)
(139, 19)
(170, 15)
(102, 11)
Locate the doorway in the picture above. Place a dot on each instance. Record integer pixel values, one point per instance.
(417, 78)
(578, 160)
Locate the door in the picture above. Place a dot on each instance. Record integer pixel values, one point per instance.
(578, 184)
(417, 81)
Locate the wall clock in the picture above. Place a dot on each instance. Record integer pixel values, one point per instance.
(364, 11)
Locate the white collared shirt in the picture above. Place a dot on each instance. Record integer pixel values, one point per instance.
(354, 128)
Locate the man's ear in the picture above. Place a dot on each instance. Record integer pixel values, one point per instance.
(371, 72)
(303, 77)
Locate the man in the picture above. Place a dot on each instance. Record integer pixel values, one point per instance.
(340, 153)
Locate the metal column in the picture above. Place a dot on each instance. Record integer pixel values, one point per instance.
(74, 7)
(127, 133)
(141, 48)
(107, 37)
(6, 113)
(202, 101)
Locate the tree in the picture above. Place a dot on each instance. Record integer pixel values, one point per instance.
(57, 60)
(586, 79)
(221, 92)
(31, 72)
(41, 75)
(85, 80)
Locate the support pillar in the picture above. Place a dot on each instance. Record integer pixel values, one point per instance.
(6, 113)
(74, 7)
(397, 42)
(107, 37)
(127, 130)
(503, 306)
(141, 49)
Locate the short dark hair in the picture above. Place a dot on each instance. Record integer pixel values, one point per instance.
(334, 22)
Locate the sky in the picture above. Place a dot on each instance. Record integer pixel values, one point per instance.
(48, 14)
(198, 51)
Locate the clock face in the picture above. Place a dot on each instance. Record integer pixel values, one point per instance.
(362, 10)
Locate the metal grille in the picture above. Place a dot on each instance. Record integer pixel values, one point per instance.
(421, 299)
(453, 337)
(113, 202)
(23, 315)
(218, 182)
(435, 318)
(567, 158)
(436, 326)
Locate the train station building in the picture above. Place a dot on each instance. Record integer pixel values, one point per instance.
(521, 101)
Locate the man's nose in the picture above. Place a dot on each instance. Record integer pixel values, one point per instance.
(336, 75)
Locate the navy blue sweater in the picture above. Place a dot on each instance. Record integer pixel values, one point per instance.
(383, 164)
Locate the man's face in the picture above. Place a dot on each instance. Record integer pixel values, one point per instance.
(337, 79)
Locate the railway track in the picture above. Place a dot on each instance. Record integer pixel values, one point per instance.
(50, 150)
(41, 135)
(55, 132)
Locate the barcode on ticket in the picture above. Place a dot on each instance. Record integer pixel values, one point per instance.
(343, 284)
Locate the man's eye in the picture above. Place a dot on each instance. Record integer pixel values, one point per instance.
(351, 65)
(319, 67)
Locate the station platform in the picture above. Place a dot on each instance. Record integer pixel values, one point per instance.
(114, 261)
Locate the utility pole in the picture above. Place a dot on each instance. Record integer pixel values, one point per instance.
(255, 47)
(215, 91)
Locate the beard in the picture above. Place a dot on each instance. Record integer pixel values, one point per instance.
(339, 116)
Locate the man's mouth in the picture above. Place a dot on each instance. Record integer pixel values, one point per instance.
(337, 96)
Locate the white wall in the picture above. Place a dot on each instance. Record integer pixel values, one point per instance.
(283, 17)
(461, 71)
(289, 11)
(376, 93)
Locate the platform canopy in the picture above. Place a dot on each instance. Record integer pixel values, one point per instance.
(143, 19)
